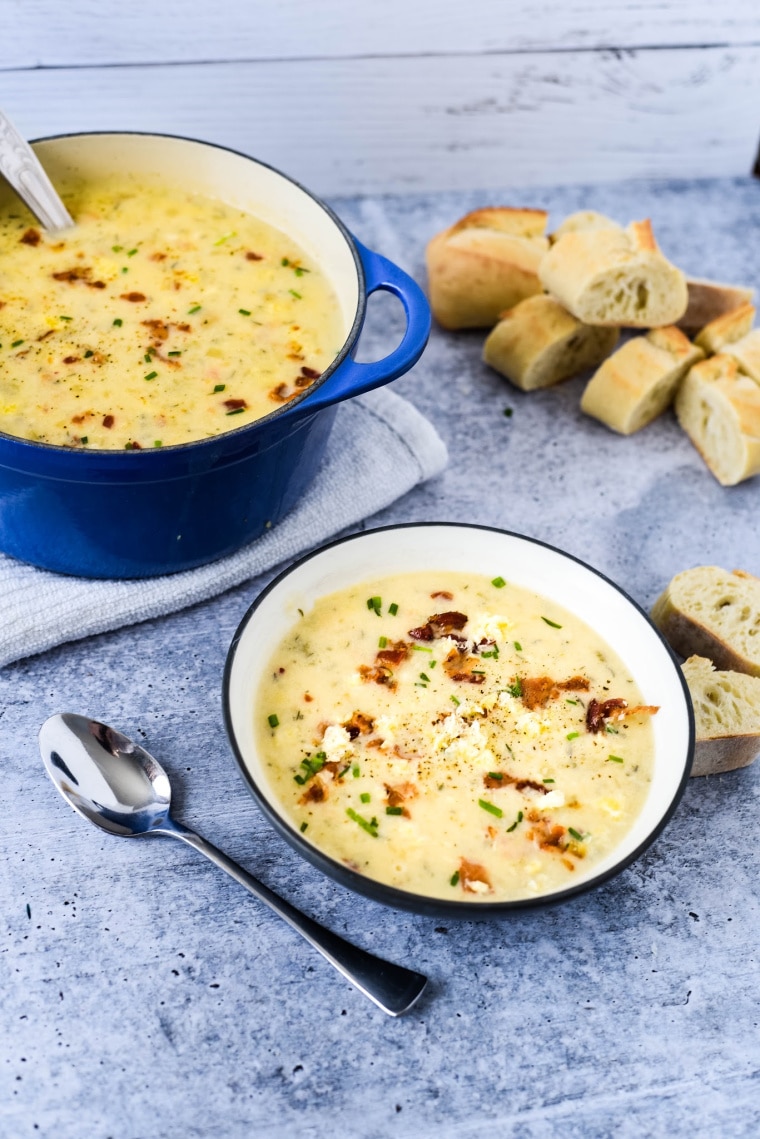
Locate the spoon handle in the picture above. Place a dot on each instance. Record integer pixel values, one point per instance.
(393, 988)
(22, 168)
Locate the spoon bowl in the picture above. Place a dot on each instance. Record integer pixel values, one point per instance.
(121, 788)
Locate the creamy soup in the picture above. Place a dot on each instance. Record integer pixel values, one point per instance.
(163, 317)
(453, 736)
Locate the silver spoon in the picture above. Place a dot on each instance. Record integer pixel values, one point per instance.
(118, 786)
(23, 169)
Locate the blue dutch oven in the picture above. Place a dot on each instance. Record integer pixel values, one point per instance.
(142, 513)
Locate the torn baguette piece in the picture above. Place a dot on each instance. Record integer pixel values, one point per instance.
(710, 299)
(711, 612)
(719, 409)
(639, 381)
(726, 329)
(538, 343)
(746, 352)
(613, 276)
(583, 219)
(727, 717)
(487, 262)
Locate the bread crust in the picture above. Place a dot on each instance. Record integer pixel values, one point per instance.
(746, 352)
(717, 697)
(583, 219)
(615, 277)
(689, 635)
(538, 344)
(719, 410)
(710, 299)
(726, 329)
(485, 263)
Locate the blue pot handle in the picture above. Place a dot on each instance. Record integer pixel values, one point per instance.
(352, 379)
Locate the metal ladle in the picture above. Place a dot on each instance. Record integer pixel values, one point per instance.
(118, 786)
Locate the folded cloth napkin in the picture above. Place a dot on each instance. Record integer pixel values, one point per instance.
(377, 431)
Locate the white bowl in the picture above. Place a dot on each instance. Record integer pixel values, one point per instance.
(478, 550)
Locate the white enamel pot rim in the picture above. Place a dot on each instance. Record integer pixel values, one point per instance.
(522, 561)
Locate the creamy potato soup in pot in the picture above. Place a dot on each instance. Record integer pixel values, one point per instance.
(454, 736)
(163, 317)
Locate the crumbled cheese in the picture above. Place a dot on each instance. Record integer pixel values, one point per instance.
(477, 887)
(386, 727)
(336, 743)
(531, 725)
(611, 807)
(490, 627)
(470, 742)
(552, 800)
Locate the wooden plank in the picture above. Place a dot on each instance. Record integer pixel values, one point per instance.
(353, 126)
(94, 32)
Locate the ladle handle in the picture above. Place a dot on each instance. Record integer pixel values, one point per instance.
(23, 170)
(393, 988)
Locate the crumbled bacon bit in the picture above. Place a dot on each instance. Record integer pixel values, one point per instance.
(71, 359)
(310, 373)
(95, 284)
(537, 691)
(393, 654)
(636, 710)
(251, 256)
(31, 237)
(422, 633)
(302, 382)
(233, 404)
(133, 446)
(184, 327)
(108, 421)
(549, 835)
(316, 792)
(159, 328)
(308, 698)
(458, 665)
(280, 394)
(135, 298)
(380, 674)
(471, 872)
(44, 335)
(78, 273)
(498, 779)
(158, 256)
(400, 793)
(358, 725)
(598, 713)
(79, 418)
(445, 623)
(444, 593)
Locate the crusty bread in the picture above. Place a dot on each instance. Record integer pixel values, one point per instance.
(727, 715)
(710, 299)
(638, 382)
(485, 263)
(719, 409)
(726, 329)
(538, 343)
(583, 219)
(713, 613)
(615, 276)
(746, 352)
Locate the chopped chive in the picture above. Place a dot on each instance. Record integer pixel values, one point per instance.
(131, 253)
(424, 676)
(125, 269)
(218, 388)
(303, 827)
(572, 831)
(573, 735)
(508, 412)
(547, 780)
(419, 684)
(355, 771)
(365, 824)
(375, 603)
(517, 821)
(421, 649)
(236, 411)
(453, 700)
(69, 318)
(615, 759)
(151, 375)
(612, 731)
(494, 654)
(499, 582)
(118, 322)
(117, 248)
(491, 808)
(293, 293)
(157, 443)
(173, 353)
(273, 720)
(477, 672)
(454, 878)
(226, 237)
(84, 439)
(394, 810)
(569, 701)
(88, 353)
(244, 311)
(16, 343)
(518, 646)
(300, 779)
(432, 664)
(516, 689)
(284, 261)
(393, 609)
(299, 270)
(383, 641)
(553, 624)
(495, 775)
(148, 358)
(365, 796)
(195, 308)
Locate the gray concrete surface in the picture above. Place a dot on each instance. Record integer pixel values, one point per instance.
(145, 995)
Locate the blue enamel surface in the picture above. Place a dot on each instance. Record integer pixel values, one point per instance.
(138, 514)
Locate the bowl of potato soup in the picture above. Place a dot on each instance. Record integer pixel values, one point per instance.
(457, 720)
(171, 366)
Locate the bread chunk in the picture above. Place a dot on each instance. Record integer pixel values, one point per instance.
(710, 299)
(727, 716)
(583, 219)
(711, 612)
(746, 352)
(487, 262)
(639, 381)
(724, 330)
(719, 409)
(538, 343)
(615, 276)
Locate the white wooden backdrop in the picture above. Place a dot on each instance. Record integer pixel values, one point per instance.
(359, 96)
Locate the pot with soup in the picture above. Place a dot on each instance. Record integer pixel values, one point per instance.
(457, 720)
(171, 366)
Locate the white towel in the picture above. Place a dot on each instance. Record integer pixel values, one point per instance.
(380, 447)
